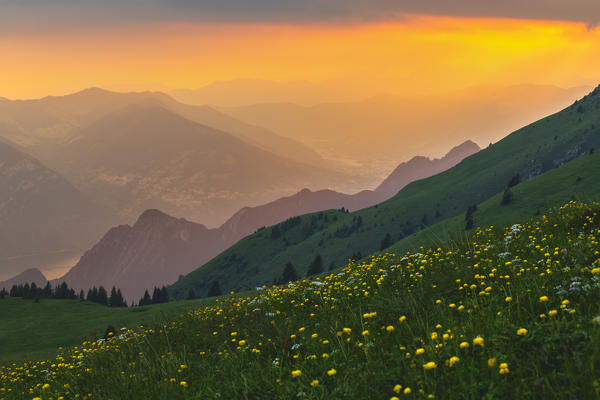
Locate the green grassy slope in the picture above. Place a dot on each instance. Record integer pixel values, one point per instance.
(515, 314)
(576, 180)
(34, 330)
(529, 151)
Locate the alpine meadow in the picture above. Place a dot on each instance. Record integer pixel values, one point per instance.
(299, 200)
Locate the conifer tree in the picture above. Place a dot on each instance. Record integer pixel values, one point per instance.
(215, 289)
(316, 267)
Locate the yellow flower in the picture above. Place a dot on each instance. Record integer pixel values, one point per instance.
(365, 333)
(242, 342)
(429, 365)
(183, 383)
(390, 328)
(314, 335)
(314, 383)
(46, 386)
(453, 360)
(325, 355)
(522, 332)
(434, 335)
(504, 369)
(478, 341)
(347, 330)
(508, 299)
(402, 318)
(552, 313)
(394, 398)
(397, 388)
(420, 351)
(464, 345)
(595, 271)
(491, 362)
(296, 373)
(331, 372)
(543, 298)
(407, 391)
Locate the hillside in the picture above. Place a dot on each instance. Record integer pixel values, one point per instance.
(36, 330)
(529, 152)
(41, 212)
(511, 314)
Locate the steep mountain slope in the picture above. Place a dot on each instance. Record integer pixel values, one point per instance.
(529, 151)
(152, 252)
(41, 212)
(29, 276)
(149, 157)
(157, 248)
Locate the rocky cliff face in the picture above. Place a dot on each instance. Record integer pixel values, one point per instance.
(153, 252)
(422, 167)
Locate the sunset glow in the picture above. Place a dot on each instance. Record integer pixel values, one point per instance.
(417, 54)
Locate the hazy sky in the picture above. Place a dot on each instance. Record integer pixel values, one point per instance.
(58, 46)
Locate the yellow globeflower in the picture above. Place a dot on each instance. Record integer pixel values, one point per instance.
(420, 351)
(365, 333)
(464, 345)
(453, 360)
(183, 383)
(504, 369)
(429, 365)
(478, 341)
(402, 318)
(331, 372)
(407, 391)
(508, 299)
(522, 332)
(543, 298)
(314, 383)
(491, 362)
(397, 388)
(390, 328)
(552, 313)
(46, 386)
(296, 373)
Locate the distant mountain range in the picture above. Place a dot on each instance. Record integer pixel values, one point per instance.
(376, 131)
(99, 140)
(158, 248)
(29, 276)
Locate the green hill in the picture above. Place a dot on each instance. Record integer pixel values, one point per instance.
(35, 330)
(336, 236)
(576, 180)
(512, 314)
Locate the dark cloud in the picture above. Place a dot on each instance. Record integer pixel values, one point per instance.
(18, 15)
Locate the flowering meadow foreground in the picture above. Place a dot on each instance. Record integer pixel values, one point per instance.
(514, 313)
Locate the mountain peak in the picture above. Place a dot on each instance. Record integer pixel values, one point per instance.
(28, 276)
(153, 216)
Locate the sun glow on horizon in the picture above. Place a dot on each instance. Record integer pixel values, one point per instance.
(419, 53)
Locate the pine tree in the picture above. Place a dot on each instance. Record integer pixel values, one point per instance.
(316, 267)
(386, 242)
(191, 294)
(215, 289)
(289, 274)
(47, 293)
(146, 300)
(102, 296)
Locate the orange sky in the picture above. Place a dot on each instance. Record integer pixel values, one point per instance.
(418, 54)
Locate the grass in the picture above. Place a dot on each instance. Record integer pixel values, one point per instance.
(512, 313)
(530, 151)
(35, 330)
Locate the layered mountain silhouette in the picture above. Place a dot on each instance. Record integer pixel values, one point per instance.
(377, 130)
(40, 211)
(72, 133)
(145, 157)
(159, 248)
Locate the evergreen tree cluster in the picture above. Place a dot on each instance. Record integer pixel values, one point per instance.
(100, 296)
(469, 216)
(32, 291)
(159, 295)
